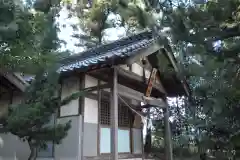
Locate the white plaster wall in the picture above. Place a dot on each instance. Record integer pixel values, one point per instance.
(90, 120)
(13, 148)
(147, 73)
(90, 82)
(136, 68)
(69, 86)
(90, 111)
(124, 67)
(69, 149)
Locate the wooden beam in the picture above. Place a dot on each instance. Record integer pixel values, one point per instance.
(114, 117)
(95, 88)
(129, 93)
(151, 81)
(122, 91)
(133, 76)
(128, 79)
(154, 102)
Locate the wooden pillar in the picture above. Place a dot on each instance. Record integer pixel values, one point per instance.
(81, 111)
(143, 156)
(99, 115)
(114, 116)
(167, 136)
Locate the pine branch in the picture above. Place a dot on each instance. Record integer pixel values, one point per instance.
(72, 97)
(52, 133)
(213, 35)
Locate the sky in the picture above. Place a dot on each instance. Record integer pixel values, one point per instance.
(67, 31)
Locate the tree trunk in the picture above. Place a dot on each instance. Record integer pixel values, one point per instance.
(33, 151)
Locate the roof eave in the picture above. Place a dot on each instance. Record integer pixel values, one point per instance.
(177, 69)
(16, 80)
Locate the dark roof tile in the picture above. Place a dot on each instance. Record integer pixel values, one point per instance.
(108, 54)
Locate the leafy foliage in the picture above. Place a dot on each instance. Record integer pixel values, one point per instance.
(27, 38)
(206, 38)
(93, 18)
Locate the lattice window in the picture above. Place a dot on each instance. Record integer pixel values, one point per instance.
(124, 114)
(105, 113)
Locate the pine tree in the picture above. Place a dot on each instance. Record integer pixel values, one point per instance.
(28, 39)
(29, 119)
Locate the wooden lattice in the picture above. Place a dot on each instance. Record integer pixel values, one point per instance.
(105, 113)
(124, 114)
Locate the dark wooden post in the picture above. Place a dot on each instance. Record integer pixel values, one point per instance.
(167, 137)
(99, 114)
(114, 116)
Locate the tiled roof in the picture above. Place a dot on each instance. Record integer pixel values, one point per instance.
(106, 55)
